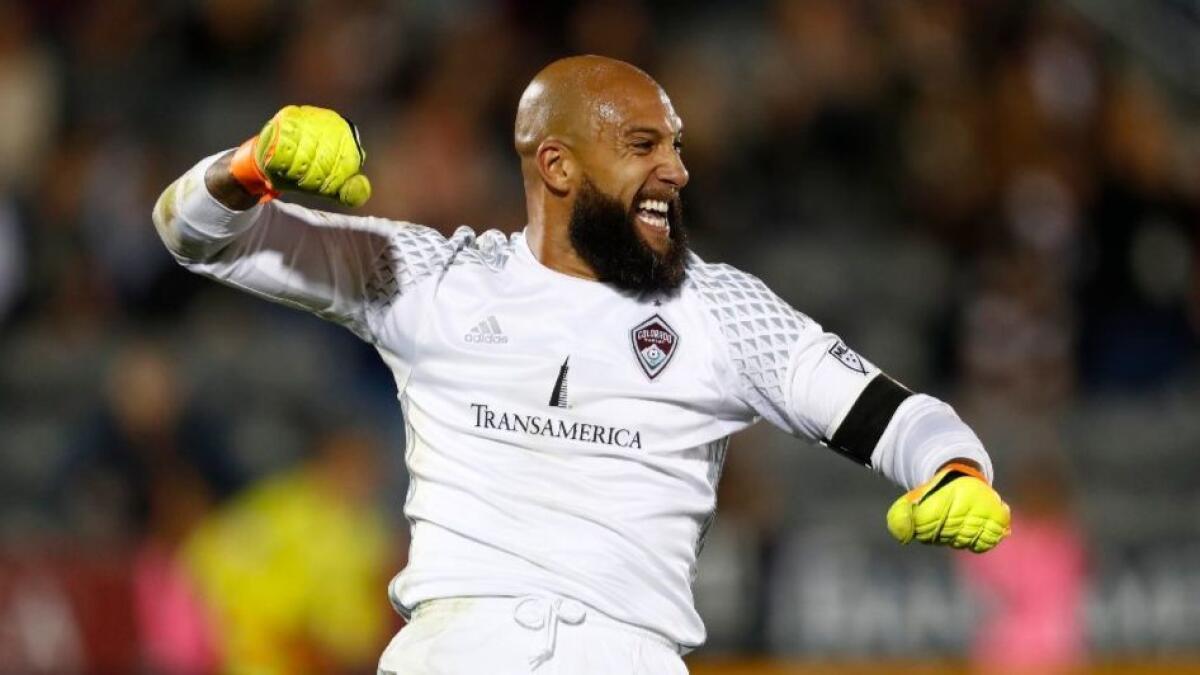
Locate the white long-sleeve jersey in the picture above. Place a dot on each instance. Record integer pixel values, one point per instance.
(562, 436)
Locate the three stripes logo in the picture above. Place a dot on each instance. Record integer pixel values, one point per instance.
(558, 397)
(487, 332)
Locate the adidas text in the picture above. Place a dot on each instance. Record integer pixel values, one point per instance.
(486, 339)
(487, 332)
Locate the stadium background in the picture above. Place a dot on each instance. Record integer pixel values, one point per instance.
(997, 201)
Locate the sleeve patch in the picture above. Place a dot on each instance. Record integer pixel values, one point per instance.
(848, 357)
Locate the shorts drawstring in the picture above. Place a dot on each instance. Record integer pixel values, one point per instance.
(538, 613)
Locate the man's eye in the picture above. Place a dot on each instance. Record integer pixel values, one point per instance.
(643, 145)
(678, 146)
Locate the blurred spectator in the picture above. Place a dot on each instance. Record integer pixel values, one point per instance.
(29, 99)
(1018, 371)
(116, 183)
(177, 632)
(12, 260)
(1034, 585)
(145, 436)
(296, 568)
(1142, 248)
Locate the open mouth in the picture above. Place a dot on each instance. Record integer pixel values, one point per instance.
(652, 213)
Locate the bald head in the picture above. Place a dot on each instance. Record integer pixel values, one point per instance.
(600, 156)
(575, 98)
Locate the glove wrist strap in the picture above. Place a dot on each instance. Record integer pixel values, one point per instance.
(246, 172)
(943, 476)
(962, 468)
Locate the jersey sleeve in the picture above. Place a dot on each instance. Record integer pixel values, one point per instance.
(343, 268)
(808, 382)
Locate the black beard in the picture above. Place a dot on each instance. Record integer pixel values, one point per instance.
(605, 236)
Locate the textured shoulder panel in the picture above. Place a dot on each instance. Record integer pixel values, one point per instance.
(491, 249)
(413, 253)
(760, 328)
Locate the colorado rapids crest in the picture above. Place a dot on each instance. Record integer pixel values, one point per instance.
(654, 343)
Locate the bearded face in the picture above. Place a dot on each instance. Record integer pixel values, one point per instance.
(605, 234)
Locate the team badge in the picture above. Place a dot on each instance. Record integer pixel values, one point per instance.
(848, 357)
(654, 344)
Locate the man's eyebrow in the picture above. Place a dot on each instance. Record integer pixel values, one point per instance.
(653, 131)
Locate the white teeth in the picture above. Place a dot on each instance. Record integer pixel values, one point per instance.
(654, 205)
(654, 221)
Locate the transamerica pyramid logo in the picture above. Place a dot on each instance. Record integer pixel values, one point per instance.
(487, 332)
(654, 343)
(558, 397)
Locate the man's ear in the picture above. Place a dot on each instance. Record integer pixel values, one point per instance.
(557, 166)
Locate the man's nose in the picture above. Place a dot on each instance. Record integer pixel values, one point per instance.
(673, 172)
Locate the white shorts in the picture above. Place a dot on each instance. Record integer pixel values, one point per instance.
(527, 635)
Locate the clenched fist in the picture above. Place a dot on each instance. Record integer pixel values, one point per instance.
(956, 507)
(305, 148)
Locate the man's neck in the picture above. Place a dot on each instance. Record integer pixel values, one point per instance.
(553, 249)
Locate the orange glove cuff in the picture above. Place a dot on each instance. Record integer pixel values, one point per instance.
(247, 173)
(918, 493)
(965, 468)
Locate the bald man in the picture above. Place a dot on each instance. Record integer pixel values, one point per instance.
(568, 390)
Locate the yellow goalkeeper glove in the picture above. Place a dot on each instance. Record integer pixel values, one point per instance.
(956, 507)
(304, 148)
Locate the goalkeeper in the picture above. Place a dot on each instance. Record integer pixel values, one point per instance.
(568, 390)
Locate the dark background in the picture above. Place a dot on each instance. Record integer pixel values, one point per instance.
(997, 202)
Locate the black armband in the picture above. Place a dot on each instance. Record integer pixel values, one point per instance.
(860, 431)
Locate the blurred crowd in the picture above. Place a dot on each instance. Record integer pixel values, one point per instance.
(996, 201)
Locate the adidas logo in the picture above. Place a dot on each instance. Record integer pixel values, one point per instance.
(487, 332)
